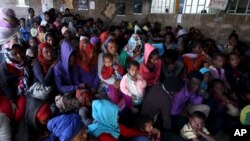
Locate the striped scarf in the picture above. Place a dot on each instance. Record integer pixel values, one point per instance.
(16, 68)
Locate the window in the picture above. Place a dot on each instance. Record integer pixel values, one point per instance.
(162, 6)
(185, 6)
(239, 6)
(23, 3)
(196, 6)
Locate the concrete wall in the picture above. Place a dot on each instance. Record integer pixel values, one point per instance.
(218, 28)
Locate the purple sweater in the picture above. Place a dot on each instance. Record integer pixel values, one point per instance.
(181, 98)
(67, 81)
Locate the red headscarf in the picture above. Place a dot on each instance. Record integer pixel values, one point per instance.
(44, 62)
(104, 36)
(87, 56)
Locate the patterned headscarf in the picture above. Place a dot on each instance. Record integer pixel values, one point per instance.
(133, 41)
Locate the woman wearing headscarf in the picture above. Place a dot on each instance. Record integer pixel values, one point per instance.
(111, 85)
(106, 126)
(43, 68)
(68, 75)
(67, 128)
(132, 51)
(87, 57)
(13, 82)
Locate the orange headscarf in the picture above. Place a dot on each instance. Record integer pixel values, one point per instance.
(44, 62)
(87, 58)
(104, 36)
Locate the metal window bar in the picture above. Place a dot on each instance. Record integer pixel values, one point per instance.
(159, 6)
(230, 10)
(197, 6)
(248, 9)
(236, 7)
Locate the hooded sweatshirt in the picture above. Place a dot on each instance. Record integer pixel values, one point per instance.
(67, 81)
(154, 76)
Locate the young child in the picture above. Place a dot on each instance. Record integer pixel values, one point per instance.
(232, 71)
(32, 51)
(110, 69)
(25, 34)
(204, 84)
(219, 104)
(51, 39)
(132, 84)
(41, 34)
(217, 71)
(193, 61)
(195, 129)
(145, 124)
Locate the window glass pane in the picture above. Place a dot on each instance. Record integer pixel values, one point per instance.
(242, 5)
(202, 2)
(189, 2)
(160, 6)
(200, 8)
(188, 8)
(194, 7)
(232, 4)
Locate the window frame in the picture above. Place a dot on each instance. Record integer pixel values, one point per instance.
(234, 11)
(26, 3)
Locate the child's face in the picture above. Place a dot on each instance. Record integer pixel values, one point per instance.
(133, 71)
(194, 85)
(80, 31)
(149, 127)
(197, 49)
(218, 62)
(218, 89)
(154, 59)
(42, 30)
(234, 61)
(168, 39)
(22, 23)
(32, 42)
(111, 48)
(50, 40)
(196, 123)
(108, 62)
